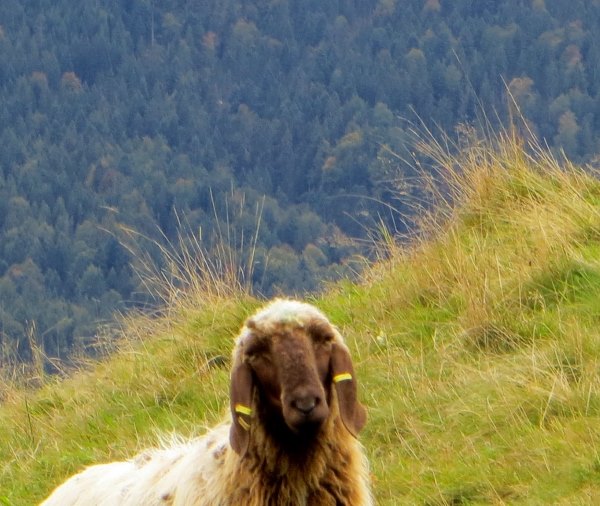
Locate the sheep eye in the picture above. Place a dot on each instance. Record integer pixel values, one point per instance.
(322, 345)
(321, 338)
(257, 349)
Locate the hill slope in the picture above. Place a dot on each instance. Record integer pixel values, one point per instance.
(477, 349)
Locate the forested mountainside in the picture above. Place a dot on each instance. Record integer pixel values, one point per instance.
(140, 114)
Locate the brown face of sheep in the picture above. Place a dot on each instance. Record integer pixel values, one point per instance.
(294, 371)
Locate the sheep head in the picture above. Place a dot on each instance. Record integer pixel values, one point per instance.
(294, 358)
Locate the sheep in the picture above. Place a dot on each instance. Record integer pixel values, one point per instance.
(290, 439)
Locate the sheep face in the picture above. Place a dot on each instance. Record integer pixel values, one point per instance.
(294, 368)
(291, 369)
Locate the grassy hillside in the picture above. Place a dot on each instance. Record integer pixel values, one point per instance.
(477, 347)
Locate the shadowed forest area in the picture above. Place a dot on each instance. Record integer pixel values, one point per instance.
(276, 131)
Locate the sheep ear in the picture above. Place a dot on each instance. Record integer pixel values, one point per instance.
(354, 415)
(240, 399)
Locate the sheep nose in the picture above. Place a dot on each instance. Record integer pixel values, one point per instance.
(306, 404)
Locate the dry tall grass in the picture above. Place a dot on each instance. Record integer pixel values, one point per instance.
(487, 325)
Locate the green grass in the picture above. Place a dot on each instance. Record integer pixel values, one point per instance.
(477, 347)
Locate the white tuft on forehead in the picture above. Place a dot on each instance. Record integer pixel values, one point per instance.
(282, 313)
(288, 311)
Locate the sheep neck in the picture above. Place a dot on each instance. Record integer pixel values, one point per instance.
(284, 469)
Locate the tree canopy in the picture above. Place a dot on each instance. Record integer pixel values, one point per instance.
(132, 113)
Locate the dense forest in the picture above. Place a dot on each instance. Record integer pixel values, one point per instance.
(140, 115)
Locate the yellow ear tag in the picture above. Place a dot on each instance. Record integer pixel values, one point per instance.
(243, 410)
(243, 423)
(344, 376)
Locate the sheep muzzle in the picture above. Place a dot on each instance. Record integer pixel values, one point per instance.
(305, 412)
